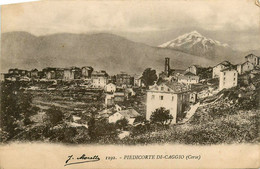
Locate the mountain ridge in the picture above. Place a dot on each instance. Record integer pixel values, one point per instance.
(101, 50)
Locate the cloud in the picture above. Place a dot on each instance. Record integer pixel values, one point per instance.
(128, 16)
(150, 22)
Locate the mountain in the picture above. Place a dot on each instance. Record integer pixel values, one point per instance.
(102, 51)
(196, 44)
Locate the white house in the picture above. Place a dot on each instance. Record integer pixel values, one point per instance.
(228, 78)
(255, 60)
(110, 88)
(245, 67)
(188, 78)
(217, 69)
(128, 114)
(171, 96)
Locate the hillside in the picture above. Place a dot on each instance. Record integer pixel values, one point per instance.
(229, 117)
(102, 51)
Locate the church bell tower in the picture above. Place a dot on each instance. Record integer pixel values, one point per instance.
(167, 66)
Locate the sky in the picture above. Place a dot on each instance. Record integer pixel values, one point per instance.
(151, 22)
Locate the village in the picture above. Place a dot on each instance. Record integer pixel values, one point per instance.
(130, 100)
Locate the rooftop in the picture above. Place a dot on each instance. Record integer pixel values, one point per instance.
(174, 86)
(129, 113)
(251, 54)
(225, 63)
(228, 69)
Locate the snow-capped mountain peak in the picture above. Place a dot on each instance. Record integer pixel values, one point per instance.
(195, 43)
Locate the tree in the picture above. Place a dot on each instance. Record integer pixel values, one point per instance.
(122, 123)
(99, 129)
(92, 128)
(54, 115)
(15, 107)
(161, 116)
(149, 77)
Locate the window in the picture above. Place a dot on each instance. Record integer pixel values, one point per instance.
(234, 74)
(162, 88)
(224, 78)
(161, 97)
(224, 73)
(234, 79)
(172, 98)
(153, 97)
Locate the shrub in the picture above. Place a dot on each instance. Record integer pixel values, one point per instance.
(121, 124)
(54, 116)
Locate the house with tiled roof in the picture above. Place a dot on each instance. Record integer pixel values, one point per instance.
(171, 96)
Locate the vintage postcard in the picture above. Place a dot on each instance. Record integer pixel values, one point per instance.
(130, 84)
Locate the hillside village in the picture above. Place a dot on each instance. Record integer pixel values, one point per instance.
(127, 100)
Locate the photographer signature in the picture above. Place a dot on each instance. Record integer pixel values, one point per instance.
(82, 159)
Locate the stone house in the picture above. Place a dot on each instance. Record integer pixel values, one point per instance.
(255, 60)
(123, 79)
(86, 72)
(99, 79)
(245, 67)
(217, 69)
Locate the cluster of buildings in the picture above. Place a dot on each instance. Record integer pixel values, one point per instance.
(180, 88)
(96, 79)
(49, 73)
(228, 73)
(117, 88)
(177, 90)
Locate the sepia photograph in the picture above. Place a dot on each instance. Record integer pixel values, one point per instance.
(129, 74)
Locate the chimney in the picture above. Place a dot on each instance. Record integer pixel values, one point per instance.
(167, 66)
